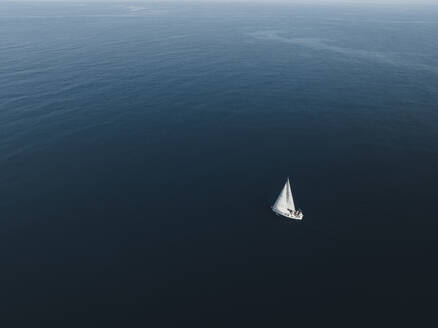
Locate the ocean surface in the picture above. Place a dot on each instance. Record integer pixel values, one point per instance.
(142, 145)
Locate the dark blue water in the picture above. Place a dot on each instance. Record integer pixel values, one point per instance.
(142, 145)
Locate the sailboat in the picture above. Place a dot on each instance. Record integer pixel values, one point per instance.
(284, 205)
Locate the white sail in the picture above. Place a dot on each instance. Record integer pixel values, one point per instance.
(285, 201)
(290, 199)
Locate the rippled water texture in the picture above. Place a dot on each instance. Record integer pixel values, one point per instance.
(141, 147)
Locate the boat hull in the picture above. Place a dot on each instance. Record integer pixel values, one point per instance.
(288, 215)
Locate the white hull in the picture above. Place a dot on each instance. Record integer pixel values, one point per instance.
(288, 214)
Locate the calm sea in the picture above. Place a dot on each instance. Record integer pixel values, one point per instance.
(142, 145)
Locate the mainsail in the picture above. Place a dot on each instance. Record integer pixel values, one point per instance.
(285, 201)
